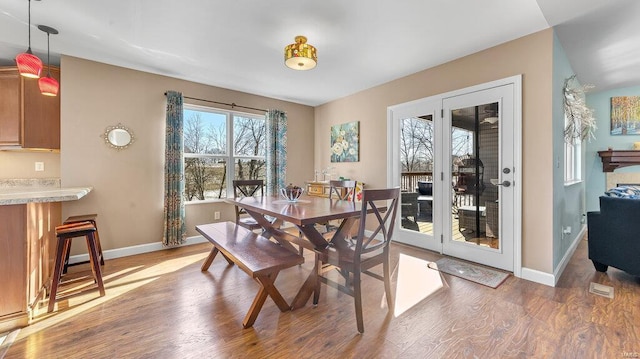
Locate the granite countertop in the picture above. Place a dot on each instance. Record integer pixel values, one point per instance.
(29, 195)
(29, 191)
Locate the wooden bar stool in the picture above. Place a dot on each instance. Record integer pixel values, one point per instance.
(84, 218)
(65, 233)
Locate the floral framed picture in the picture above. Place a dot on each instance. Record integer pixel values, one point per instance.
(345, 142)
(625, 115)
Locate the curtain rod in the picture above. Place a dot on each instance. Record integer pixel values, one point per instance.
(232, 105)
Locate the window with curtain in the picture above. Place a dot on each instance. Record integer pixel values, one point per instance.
(220, 146)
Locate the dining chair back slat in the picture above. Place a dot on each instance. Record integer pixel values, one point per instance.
(344, 190)
(247, 188)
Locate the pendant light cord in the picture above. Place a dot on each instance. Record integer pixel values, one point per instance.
(29, 49)
(48, 53)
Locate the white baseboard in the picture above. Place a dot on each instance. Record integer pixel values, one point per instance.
(552, 279)
(139, 249)
(133, 250)
(537, 276)
(567, 256)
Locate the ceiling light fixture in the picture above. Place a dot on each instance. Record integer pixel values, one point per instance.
(48, 85)
(28, 64)
(300, 56)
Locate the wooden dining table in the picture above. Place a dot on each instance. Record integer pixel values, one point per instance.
(271, 212)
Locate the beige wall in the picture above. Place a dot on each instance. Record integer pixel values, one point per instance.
(530, 56)
(129, 184)
(21, 164)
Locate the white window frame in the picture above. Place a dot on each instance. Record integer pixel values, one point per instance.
(572, 160)
(230, 156)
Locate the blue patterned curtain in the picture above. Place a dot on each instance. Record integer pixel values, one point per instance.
(174, 215)
(276, 150)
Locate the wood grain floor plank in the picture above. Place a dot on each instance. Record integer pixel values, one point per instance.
(160, 305)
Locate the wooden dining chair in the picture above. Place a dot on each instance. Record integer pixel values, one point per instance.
(368, 252)
(342, 190)
(247, 188)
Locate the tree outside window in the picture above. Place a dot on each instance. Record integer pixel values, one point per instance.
(220, 146)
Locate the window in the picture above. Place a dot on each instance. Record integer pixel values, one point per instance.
(220, 146)
(572, 168)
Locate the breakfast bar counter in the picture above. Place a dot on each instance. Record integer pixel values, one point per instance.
(41, 194)
(28, 217)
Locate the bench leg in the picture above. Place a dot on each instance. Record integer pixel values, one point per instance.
(207, 262)
(266, 289)
(212, 255)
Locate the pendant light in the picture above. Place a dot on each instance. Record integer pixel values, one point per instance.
(48, 85)
(300, 55)
(28, 64)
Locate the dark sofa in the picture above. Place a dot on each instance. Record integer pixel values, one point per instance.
(614, 235)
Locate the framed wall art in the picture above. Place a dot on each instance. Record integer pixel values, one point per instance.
(625, 115)
(345, 142)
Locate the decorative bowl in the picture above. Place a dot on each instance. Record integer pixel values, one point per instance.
(291, 194)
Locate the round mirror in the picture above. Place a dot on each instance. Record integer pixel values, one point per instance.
(118, 137)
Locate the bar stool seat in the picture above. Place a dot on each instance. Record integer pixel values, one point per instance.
(84, 218)
(64, 234)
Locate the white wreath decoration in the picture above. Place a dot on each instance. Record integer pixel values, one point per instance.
(580, 121)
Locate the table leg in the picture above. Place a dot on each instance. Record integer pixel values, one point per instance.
(311, 285)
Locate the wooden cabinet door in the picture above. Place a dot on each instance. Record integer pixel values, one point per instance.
(10, 107)
(41, 115)
(41, 240)
(12, 260)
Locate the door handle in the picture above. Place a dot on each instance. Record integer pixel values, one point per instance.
(504, 183)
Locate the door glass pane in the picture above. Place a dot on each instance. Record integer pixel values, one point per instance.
(474, 190)
(416, 155)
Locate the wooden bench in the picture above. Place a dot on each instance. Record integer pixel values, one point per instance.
(257, 256)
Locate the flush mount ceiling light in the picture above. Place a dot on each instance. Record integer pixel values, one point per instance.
(300, 56)
(48, 85)
(28, 64)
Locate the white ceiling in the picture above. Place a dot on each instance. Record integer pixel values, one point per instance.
(361, 43)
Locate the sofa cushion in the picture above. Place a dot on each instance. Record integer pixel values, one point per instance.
(624, 192)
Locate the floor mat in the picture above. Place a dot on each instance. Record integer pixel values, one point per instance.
(473, 272)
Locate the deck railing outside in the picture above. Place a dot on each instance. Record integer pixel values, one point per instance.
(409, 183)
(409, 180)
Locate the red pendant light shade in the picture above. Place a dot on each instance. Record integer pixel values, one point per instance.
(28, 64)
(48, 86)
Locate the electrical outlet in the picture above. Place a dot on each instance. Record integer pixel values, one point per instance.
(216, 215)
(39, 166)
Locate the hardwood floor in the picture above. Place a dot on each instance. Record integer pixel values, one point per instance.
(159, 305)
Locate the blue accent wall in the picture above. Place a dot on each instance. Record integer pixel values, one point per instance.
(600, 102)
(568, 200)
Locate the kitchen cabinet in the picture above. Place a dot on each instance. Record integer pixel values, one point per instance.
(28, 219)
(28, 119)
(27, 255)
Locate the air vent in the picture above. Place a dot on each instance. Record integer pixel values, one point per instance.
(601, 290)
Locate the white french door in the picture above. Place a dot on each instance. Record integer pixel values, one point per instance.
(413, 129)
(456, 158)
